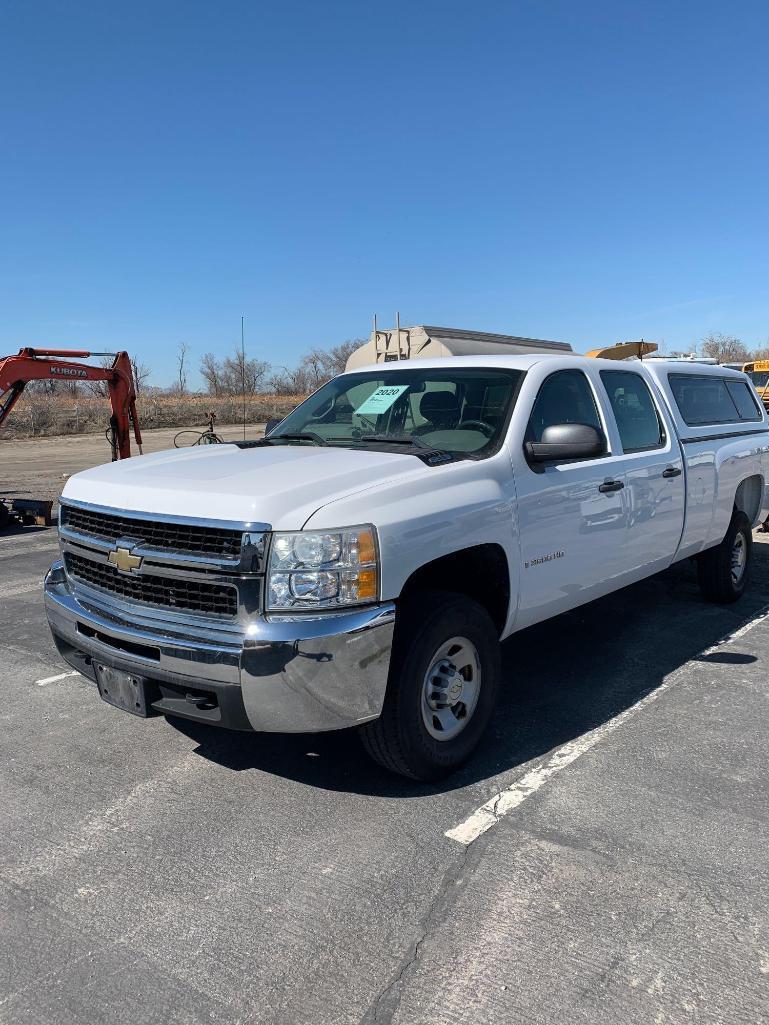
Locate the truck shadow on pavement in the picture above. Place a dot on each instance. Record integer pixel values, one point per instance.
(15, 530)
(560, 679)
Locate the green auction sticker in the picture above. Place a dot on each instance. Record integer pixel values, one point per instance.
(379, 401)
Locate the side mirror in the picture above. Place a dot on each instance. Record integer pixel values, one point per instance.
(563, 442)
(272, 423)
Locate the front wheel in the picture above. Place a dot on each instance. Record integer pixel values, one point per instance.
(723, 572)
(442, 687)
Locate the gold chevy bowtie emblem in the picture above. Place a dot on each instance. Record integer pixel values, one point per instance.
(125, 560)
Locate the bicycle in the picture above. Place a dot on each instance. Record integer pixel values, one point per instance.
(207, 437)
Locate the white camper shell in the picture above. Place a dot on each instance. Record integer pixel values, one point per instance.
(425, 342)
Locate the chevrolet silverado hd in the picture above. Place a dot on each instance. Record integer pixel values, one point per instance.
(359, 566)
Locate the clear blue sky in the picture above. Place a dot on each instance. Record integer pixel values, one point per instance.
(587, 171)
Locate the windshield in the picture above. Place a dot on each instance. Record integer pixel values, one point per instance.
(760, 378)
(461, 411)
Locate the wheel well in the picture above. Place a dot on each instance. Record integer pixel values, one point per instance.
(480, 573)
(748, 497)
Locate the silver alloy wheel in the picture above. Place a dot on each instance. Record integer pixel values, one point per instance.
(451, 688)
(739, 558)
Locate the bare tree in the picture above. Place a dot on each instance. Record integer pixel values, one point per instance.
(338, 356)
(181, 365)
(140, 373)
(242, 374)
(302, 379)
(724, 348)
(54, 387)
(324, 364)
(47, 386)
(233, 375)
(762, 352)
(71, 387)
(315, 368)
(211, 372)
(315, 365)
(100, 388)
(289, 382)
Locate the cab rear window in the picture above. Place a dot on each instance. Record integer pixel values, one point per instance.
(713, 400)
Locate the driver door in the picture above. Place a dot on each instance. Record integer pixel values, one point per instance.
(572, 515)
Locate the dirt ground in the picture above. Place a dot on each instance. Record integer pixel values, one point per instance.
(39, 467)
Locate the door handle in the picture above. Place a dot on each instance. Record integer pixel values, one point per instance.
(611, 485)
(671, 471)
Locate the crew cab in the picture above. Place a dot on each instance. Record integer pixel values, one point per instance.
(359, 565)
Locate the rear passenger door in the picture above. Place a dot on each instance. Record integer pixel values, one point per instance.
(651, 460)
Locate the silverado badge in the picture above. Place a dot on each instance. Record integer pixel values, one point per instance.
(543, 558)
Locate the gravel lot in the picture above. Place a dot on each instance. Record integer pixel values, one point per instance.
(156, 871)
(39, 467)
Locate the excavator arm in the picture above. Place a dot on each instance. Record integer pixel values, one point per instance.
(58, 365)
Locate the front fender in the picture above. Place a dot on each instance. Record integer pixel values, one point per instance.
(442, 511)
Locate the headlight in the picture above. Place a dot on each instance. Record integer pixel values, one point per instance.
(323, 568)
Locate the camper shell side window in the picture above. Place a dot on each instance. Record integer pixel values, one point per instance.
(704, 400)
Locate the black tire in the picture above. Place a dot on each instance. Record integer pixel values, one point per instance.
(399, 740)
(714, 567)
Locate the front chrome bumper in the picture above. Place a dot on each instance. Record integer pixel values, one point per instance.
(287, 674)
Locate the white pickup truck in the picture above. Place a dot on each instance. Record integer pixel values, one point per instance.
(360, 564)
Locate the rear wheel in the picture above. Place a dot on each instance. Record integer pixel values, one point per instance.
(723, 572)
(443, 682)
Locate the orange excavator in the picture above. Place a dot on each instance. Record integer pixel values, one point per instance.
(29, 364)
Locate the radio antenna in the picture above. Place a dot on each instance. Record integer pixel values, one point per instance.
(243, 372)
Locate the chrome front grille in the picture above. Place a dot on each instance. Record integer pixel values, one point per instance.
(160, 535)
(189, 568)
(184, 594)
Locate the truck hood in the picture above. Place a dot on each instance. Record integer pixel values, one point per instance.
(281, 486)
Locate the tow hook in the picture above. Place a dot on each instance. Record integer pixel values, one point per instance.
(201, 701)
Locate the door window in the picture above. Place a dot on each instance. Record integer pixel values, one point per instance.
(564, 398)
(633, 406)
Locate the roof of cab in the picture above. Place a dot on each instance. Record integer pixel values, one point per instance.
(525, 361)
(521, 362)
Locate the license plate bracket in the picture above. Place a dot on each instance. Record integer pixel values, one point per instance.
(123, 690)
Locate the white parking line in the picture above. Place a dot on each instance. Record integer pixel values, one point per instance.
(492, 811)
(55, 679)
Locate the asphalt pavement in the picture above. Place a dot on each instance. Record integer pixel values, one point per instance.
(154, 871)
